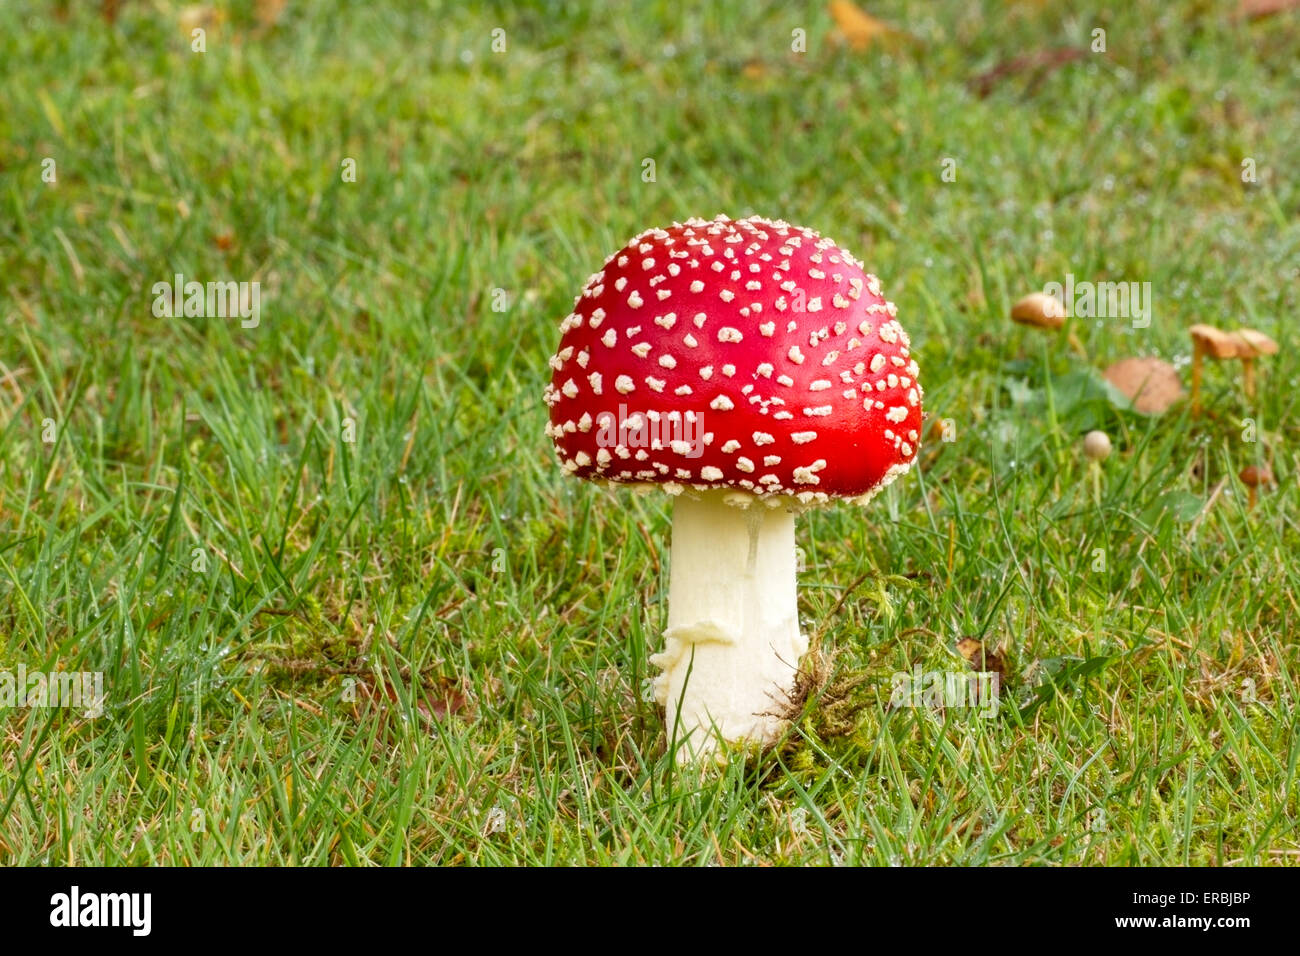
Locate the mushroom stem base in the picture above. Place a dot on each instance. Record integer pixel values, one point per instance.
(732, 646)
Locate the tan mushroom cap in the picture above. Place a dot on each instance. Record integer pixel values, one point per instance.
(1251, 343)
(1039, 310)
(1151, 384)
(1255, 475)
(1214, 342)
(1096, 445)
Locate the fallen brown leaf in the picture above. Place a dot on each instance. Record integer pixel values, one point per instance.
(268, 12)
(857, 28)
(450, 700)
(982, 659)
(1151, 384)
(1258, 9)
(443, 698)
(198, 17)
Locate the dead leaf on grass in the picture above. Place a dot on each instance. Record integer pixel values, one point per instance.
(982, 659)
(1258, 9)
(860, 29)
(268, 12)
(1151, 384)
(443, 697)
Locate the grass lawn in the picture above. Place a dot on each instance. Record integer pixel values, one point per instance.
(346, 606)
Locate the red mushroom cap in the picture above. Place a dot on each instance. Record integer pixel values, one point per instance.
(747, 354)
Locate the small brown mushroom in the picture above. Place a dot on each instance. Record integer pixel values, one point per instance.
(1151, 384)
(1043, 311)
(1253, 477)
(941, 432)
(1251, 344)
(1207, 340)
(1039, 310)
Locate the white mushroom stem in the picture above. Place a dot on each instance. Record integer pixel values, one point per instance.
(733, 643)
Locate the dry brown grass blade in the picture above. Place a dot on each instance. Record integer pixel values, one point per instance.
(1040, 63)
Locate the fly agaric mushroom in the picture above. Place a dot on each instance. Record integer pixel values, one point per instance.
(751, 369)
